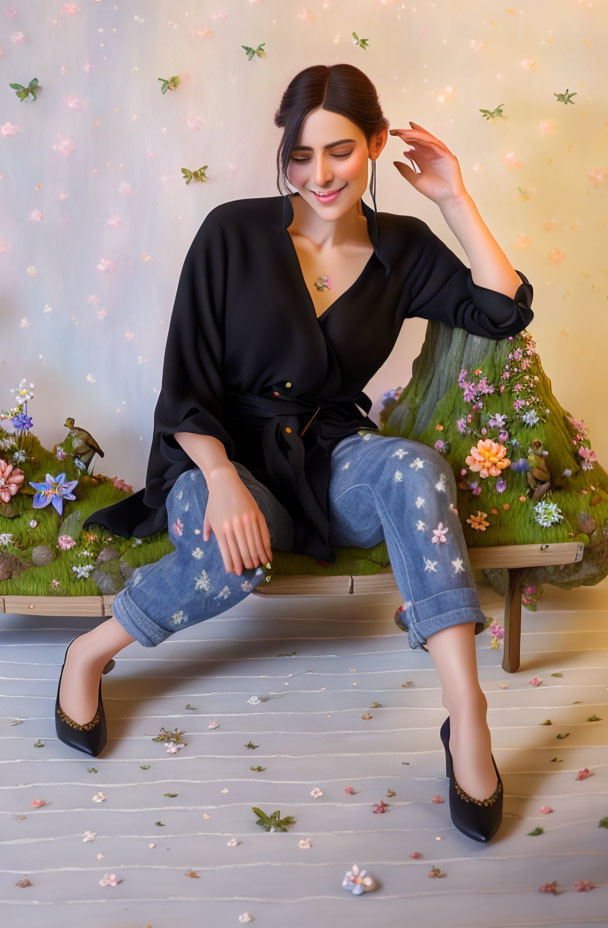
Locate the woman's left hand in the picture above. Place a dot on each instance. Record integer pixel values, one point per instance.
(440, 179)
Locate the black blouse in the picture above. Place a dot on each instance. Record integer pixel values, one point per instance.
(248, 361)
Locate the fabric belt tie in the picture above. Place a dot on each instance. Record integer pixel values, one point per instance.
(300, 471)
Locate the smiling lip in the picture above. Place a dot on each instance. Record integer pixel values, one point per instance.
(329, 198)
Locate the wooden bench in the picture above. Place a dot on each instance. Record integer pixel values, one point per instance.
(515, 558)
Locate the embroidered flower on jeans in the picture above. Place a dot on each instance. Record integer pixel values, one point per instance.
(458, 566)
(417, 463)
(430, 565)
(397, 477)
(247, 586)
(420, 525)
(419, 502)
(441, 485)
(399, 453)
(224, 593)
(202, 582)
(198, 553)
(439, 534)
(178, 527)
(178, 617)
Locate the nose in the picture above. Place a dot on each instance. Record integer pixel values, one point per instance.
(322, 172)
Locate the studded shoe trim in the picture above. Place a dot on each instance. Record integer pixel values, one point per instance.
(87, 726)
(479, 802)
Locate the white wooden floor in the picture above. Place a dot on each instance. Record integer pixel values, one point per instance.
(298, 678)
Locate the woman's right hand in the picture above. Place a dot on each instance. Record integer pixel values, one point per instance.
(238, 522)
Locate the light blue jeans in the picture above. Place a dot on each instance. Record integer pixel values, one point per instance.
(382, 488)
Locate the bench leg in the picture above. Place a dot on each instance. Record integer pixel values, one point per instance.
(512, 621)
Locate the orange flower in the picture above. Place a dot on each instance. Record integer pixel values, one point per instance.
(478, 521)
(488, 458)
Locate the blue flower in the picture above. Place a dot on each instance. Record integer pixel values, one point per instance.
(53, 491)
(23, 422)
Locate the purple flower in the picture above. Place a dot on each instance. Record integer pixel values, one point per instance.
(23, 422)
(53, 491)
(501, 485)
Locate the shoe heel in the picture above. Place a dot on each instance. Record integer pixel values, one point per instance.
(109, 666)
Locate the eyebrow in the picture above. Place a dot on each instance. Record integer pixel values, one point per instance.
(331, 145)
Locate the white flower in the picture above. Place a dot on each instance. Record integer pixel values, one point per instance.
(198, 553)
(6, 538)
(83, 570)
(22, 393)
(202, 582)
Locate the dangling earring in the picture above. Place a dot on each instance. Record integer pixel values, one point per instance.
(372, 185)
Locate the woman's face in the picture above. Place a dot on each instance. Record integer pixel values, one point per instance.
(317, 164)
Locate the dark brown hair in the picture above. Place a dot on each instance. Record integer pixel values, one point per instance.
(341, 88)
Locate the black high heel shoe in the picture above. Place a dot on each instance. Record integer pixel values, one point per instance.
(477, 818)
(90, 738)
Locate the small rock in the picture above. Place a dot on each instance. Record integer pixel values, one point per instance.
(125, 568)
(42, 555)
(109, 553)
(107, 583)
(11, 566)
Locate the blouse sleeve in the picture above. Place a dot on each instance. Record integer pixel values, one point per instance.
(442, 288)
(191, 398)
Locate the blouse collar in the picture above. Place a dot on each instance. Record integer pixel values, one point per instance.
(372, 229)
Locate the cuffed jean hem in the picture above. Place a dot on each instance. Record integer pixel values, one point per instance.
(427, 616)
(139, 625)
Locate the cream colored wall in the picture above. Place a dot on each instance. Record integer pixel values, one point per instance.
(97, 217)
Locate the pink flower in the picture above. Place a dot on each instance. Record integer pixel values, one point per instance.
(120, 484)
(546, 810)
(110, 879)
(380, 807)
(549, 888)
(437, 798)
(64, 146)
(439, 534)
(583, 774)
(581, 886)
(535, 681)
(349, 790)
(65, 542)
(10, 480)
(36, 803)
(415, 855)
(178, 527)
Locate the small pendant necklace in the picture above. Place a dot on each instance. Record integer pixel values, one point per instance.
(322, 282)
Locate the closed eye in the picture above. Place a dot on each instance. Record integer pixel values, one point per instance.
(304, 160)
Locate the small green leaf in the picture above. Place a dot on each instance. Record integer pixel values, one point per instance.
(536, 831)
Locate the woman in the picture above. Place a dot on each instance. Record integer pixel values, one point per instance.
(286, 306)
